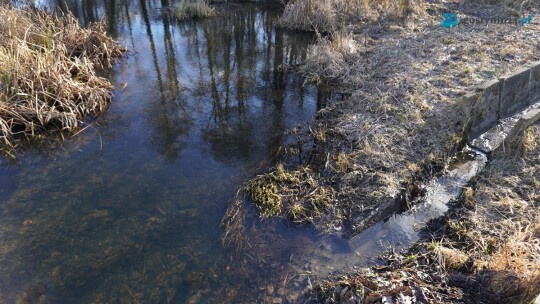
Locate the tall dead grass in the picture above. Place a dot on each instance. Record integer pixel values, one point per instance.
(507, 209)
(186, 9)
(515, 4)
(48, 75)
(327, 16)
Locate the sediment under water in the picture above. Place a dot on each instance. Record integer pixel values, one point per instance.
(129, 210)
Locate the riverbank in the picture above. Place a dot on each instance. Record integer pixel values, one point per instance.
(485, 250)
(49, 76)
(365, 157)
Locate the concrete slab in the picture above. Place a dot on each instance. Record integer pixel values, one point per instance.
(467, 104)
(485, 111)
(515, 92)
(534, 82)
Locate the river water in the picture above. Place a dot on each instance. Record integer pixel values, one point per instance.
(129, 210)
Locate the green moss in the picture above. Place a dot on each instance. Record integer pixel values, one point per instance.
(263, 191)
(448, 41)
(296, 194)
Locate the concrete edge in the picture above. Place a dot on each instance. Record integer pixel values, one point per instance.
(500, 98)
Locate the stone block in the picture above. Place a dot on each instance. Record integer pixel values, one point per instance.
(534, 82)
(467, 104)
(515, 92)
(485, 112)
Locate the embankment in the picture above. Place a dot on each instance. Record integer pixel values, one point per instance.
(408, 112)
(366, 157)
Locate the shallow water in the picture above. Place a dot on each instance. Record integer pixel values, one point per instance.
(129, 210)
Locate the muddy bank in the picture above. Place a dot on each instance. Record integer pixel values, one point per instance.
(484, 250)
(366, 157)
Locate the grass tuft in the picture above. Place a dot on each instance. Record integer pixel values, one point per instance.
(297, 194)
(327, 16)
(48, 76)
(186, 9)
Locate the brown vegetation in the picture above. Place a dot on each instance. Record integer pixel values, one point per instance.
(186, 9)
(403, 118)
(48, 76)
(329, 16)
(486, 250)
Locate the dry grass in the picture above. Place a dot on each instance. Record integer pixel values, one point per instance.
(507, 213)
(401, 122)
(48, 74)
(403, 119)
(486, 250)
(514, 4)
(329, 16)
(406, 83)
(186, 9)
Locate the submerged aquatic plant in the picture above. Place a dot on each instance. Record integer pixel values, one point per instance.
(48, 76)
(186, 9)
(297, 194)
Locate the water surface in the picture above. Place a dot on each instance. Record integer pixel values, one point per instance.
(129, 210)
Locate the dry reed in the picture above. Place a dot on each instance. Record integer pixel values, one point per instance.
(48, 76)
(186, 9)
(328, 16)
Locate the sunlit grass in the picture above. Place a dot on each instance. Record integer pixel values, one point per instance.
(186, 9)
(48, 73)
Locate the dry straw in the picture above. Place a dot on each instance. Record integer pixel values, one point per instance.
(186, 9)
(327, 16)
(48, 76)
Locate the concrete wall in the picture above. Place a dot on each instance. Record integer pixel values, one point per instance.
(501, 98)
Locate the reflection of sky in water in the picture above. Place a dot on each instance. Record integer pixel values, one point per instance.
(130, 208)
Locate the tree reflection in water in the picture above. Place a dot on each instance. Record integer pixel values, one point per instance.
(207, 101)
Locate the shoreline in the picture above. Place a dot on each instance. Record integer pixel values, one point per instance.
(397, 129)
(50, 78)
(483, 250)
